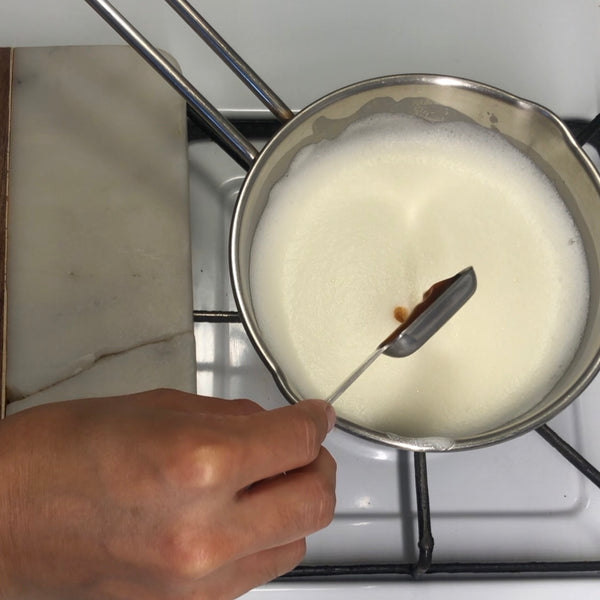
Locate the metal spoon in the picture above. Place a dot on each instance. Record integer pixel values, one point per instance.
(440, 303)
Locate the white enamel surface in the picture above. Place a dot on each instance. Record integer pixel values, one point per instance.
(506, 502)
(540, 49)
(521, 589)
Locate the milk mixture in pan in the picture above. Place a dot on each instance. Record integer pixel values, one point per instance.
(367, 222)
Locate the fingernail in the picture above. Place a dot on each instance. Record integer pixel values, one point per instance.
(330, 412)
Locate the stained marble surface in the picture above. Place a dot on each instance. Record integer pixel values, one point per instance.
(99, 266)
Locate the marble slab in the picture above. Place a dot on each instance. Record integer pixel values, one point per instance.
(99, 266)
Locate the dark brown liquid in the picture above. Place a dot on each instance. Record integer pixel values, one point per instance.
(401, 314)
(429, 297)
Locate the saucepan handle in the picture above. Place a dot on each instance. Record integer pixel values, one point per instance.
(219, 127)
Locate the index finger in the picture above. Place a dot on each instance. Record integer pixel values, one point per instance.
(282, 439)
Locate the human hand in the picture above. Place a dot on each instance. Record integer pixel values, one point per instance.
(160, 495)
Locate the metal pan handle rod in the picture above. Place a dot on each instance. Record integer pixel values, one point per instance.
(220, 129)
(232, 59)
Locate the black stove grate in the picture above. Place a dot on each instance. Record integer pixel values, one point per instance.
(425, 567)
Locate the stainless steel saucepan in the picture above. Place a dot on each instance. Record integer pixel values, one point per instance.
(529, 127)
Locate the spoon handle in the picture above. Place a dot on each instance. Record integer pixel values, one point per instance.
(355, 374)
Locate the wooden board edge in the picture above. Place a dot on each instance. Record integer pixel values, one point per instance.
(6, 69)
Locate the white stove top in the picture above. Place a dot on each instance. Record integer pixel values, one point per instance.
(518, 501)
(544, 50)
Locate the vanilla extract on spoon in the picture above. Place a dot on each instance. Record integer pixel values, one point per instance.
(401, 313)
(440, 303)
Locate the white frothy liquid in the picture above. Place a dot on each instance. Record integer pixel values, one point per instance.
(368, 222)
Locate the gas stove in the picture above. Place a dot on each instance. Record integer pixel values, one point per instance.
(518, 508)
(513, 520)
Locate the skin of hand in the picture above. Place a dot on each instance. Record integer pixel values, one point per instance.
(159, 496)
